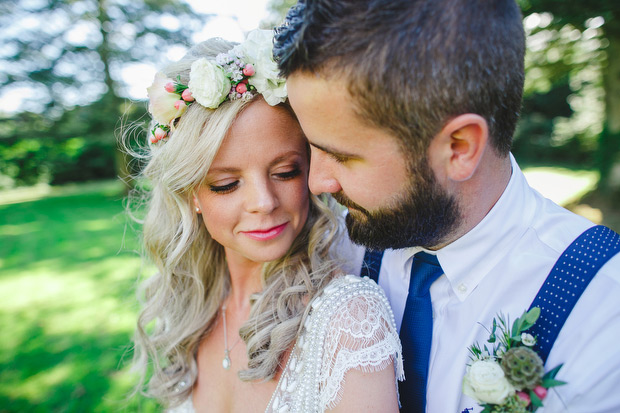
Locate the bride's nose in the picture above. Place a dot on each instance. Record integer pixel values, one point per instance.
(261, 197)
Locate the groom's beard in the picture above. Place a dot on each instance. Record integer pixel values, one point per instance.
(425, 216)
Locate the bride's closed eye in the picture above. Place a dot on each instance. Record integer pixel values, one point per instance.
(224, 189)
(287, 174)
(290, 174)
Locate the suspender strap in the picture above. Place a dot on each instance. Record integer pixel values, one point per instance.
(568, 279)
(372, 265)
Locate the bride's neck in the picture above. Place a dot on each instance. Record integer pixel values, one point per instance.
(245, 280)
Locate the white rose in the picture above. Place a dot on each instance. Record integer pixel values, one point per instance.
(485, 382)
(208, 83)
(258, 50)
(161, 102)
(273, 92)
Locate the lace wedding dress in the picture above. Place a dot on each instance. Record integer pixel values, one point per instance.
(350, 326)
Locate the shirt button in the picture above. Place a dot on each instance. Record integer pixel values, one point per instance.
(462, 288)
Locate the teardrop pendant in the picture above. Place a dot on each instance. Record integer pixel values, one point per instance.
(226, 362)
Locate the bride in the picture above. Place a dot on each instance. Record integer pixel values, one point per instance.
(248, 310)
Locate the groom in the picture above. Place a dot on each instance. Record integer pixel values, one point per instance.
(410, 107)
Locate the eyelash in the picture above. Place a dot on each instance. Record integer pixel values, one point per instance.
(225, 189)
(293, 173)
(338, 158)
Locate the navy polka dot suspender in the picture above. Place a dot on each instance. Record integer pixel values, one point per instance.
(568, 279)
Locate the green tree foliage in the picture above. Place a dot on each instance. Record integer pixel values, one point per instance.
(277, 10)
(69, 55)
(573, 80)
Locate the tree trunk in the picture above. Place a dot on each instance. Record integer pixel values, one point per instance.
(112, 101)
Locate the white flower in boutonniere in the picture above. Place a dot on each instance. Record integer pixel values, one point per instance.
(208, 83)
(528, 339)
(486, 382)
(509, 377)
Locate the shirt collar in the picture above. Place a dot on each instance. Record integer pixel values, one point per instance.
(470, 258)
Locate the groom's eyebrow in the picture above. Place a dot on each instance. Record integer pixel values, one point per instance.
(333, 152)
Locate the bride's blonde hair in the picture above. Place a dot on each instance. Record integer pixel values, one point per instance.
(181, 302)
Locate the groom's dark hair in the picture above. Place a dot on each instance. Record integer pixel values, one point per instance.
(412, 65)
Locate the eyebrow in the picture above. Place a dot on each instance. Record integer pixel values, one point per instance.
(276, 161)
(334, 152)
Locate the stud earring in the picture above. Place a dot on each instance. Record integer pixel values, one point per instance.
(198, 210)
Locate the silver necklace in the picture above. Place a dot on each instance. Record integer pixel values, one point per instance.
(226, 360)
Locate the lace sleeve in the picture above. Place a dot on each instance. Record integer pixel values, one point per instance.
(361, 334)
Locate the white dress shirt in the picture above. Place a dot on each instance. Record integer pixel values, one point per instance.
(498, 267)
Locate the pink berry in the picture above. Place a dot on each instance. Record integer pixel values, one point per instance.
(170, 87)
(187, 96)
(540, 391)
(179, 104)
(159, 134)
(524, 396)
(241, 88)
(154, 139)
(248, 70)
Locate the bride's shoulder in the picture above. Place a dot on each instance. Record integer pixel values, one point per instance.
(353, 296)
(352, 327)
(353, 285)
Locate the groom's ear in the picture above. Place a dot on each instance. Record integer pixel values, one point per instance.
(462, 141)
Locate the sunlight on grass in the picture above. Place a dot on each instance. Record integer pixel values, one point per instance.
(22, 229)
(67, 302)
(561, 185)
(95, 225)
(40, 191)
(31, 388)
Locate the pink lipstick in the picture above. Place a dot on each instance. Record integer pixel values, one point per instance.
(266, 235)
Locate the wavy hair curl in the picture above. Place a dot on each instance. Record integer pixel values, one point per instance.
(182, 300)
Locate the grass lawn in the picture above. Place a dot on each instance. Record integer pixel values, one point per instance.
(67, 306)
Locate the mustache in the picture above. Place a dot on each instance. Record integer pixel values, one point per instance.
(345, 201)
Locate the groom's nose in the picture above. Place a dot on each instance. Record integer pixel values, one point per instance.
(322, 178)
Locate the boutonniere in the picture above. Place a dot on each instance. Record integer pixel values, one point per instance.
(507, 375)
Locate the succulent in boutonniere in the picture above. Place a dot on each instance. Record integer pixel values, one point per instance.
(509, 376)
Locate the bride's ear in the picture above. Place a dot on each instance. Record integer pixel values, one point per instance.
(461, 143)
(196, 205)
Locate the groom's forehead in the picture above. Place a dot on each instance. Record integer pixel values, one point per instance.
(318, 100)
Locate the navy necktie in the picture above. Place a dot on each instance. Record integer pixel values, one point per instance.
(416, 332)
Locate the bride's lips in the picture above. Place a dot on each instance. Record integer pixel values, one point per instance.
(267, 234)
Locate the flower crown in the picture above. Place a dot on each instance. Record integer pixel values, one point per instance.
(243, 71)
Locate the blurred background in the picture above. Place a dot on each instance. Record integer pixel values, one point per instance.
(73, 74)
